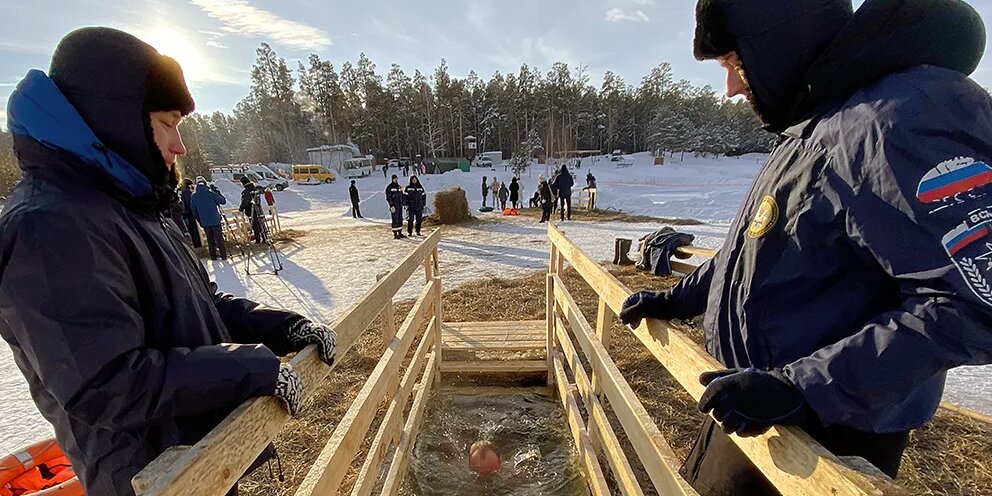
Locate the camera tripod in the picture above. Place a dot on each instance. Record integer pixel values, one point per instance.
(260, 229)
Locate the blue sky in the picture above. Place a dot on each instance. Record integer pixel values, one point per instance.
(215, 40)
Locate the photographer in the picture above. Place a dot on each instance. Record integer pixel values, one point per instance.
(251, 206)
(204, 205)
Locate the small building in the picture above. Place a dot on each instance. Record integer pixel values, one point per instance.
(442, 165)
(333, 157)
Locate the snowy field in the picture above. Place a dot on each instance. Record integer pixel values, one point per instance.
(336, 261)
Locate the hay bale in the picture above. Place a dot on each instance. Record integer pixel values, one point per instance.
(451, 206)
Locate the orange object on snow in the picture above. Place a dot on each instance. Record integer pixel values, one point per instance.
(38, 470)
(510, 211)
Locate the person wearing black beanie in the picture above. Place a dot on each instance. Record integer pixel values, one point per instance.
(851, 282)
(124, 340)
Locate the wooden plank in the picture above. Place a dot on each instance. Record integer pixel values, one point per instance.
(215, 463)
(599, 425)
(436, 328)
(401, 457)
(657, 457)
(787, 456)
(495, 367)
(593, 471)
(549, 338)
(516, 325)
(389, 429)
(388, 318)
(493, 346)
(981, 417)
(682, 267)
(334, 460)
(696, 251)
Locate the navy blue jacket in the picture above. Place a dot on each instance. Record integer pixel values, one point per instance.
(204, 204)
(415, 197)
(126, 344)
(394, 196)
(861, 260)
(563, 182)
(184, 197)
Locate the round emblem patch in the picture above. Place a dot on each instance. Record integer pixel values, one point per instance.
(765, 219)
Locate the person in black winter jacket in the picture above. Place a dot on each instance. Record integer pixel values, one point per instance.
(855, 274)
(563, 185)
(485, 190)
(127, 345)
(394, 198)
(251, 207)
(356, 211)
(514, 192)
(547, 200)
(416, 199)
(185, 192)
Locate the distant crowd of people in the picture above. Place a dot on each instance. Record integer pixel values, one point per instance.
(551, 195)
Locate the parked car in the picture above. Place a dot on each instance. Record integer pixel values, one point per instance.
(234, 173)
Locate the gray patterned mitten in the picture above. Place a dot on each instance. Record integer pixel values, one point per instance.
(306, 332)
(289, 389)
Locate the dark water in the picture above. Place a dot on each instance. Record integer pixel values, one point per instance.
(529, 431)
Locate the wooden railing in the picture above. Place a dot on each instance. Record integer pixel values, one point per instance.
(791, 460)
(214, 465)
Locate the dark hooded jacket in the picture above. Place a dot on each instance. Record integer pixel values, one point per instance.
(394, 196)
(415, 197)
(859, 260)
(124, 341)
(563, 182)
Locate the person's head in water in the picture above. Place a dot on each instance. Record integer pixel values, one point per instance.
(132, 98)
(395, 179)
(483, 458)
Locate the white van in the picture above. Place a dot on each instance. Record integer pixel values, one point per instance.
(275, 181)
(234, 173)
(358, 167)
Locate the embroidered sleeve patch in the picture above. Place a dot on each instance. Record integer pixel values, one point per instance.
(764, 220)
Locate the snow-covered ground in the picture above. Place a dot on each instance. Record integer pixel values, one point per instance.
(337, 259)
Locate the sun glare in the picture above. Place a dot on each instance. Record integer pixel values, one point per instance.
(170, 42)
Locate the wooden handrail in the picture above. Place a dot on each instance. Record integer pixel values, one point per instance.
(791, 460)
(214, 464)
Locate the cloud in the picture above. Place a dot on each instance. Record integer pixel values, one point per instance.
(617, 14)
(479, 13)
(644, 2)
(215, 44)
(238, 16)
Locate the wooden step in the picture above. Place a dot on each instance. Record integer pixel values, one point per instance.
(489, 336)
(495, 367)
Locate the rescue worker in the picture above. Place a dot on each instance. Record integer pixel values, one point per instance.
(394, 198)
(415, 199)
(856, 273)
(127, 345)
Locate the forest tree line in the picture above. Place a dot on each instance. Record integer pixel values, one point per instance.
(526, 113)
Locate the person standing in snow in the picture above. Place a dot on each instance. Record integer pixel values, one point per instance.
(485, 191)
(416, 199)
(563, 185)
(547, 200)
(504, 194)
(883, 146)
(514, 192)
(394, 198)
(128, 347)
(553, 186)
(188, 218)
(356, 211)
(494, 189)
(205, 206)
(251, 207)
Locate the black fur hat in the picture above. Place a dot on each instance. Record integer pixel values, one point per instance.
(713, 39)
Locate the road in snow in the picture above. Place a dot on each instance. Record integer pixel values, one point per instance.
(331, 266)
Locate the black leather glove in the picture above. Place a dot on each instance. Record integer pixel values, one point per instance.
(289, 389)
(748, 402)
(305, 332)
(647, 304)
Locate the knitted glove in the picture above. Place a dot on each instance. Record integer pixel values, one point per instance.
(392, 210)
(646, 304)
(748, 402)
(304, 332)
(289, 389)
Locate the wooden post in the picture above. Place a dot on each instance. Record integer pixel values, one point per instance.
(604, 334)
(437, 329)
(388, 318)
(550, 323)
